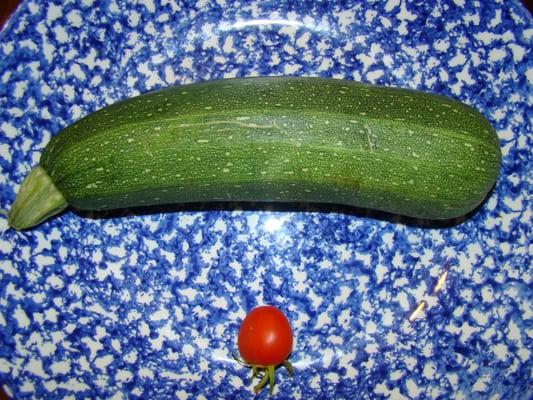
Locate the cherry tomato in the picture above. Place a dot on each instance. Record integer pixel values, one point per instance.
(265, 337)
(264, 342)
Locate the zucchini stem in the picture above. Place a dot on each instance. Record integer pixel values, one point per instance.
(38, 199)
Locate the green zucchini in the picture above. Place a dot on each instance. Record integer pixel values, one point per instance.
(271, 139)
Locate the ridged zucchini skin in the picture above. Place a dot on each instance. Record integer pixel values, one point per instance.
(283, 139)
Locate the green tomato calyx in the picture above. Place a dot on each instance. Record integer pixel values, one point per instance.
(265, 372)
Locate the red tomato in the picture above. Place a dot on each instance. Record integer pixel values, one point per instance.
(265, 337)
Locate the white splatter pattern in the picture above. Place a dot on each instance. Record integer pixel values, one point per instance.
(148, 305)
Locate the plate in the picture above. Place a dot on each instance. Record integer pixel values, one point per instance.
(148, 305)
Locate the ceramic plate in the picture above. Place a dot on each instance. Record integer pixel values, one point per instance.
(148, 305)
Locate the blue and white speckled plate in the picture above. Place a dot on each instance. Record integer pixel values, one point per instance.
(148, 305)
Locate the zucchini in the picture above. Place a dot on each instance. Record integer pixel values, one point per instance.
(272, 139)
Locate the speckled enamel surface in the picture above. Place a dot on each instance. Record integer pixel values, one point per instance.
(148, 304)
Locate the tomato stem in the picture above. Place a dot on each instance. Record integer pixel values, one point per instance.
(290, 370)
(269, 373)
(240, 360)
(259, 386)
(271, 378)
(254, 372)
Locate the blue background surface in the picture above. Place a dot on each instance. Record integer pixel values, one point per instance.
(148, 305)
